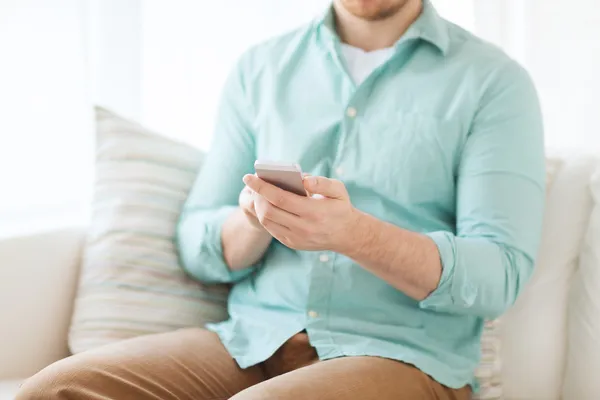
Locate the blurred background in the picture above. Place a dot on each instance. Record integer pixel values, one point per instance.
(162, 63)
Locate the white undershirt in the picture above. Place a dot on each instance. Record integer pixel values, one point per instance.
(360, 63)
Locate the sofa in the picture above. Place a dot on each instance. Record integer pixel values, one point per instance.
(550, 338)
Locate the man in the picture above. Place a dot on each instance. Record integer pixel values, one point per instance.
(425, 146)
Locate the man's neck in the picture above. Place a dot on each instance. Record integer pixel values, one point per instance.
(375, 35)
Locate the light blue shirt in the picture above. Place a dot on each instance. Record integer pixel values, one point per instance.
(445, 138)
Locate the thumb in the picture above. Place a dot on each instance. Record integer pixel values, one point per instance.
(331, 188)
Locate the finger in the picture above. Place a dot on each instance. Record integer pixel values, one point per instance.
(250, 210)
(276, 230)
(278, 197)
(331, 188)
(270, 212)
(283, 235)
(247, 200)
(246, 192)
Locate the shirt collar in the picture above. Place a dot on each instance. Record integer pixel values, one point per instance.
(429, 26)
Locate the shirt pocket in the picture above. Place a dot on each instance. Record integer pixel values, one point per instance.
(413, 160)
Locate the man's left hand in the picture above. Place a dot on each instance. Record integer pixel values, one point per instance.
(324, 221)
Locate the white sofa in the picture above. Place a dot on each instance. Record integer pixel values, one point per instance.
(549, 338)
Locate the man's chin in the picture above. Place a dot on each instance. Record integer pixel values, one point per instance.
(373, 14)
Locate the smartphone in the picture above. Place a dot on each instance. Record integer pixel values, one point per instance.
(287, 176)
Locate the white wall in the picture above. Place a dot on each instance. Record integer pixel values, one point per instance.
(46, 141)
(558, 41)
(563, 54)
(189, 47)
(114, 37)
(169, 73)
(461, 12)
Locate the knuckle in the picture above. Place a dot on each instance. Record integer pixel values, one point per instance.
(268, 211)
(262, 218)
(259, 203)
(280, 200)
(246, 202)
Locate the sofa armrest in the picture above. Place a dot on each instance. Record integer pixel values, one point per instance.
(38, 277)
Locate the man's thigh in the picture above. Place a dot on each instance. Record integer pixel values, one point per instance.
(354, 378)
(185, 364)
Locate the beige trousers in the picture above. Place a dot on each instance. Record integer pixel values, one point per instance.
(193, 364)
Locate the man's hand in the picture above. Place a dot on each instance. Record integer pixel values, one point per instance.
(407, 260)
(246, 202)
(243, 238)
(324, 221)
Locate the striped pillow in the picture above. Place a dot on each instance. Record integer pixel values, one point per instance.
(131, 283)
(489, 370)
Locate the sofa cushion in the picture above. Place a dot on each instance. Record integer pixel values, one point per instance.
(9, 389)
(489, 371)
(534, 330)
(131, 282)
(38, 279)
(583, 362)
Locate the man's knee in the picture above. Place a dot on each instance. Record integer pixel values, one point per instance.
(62, 380)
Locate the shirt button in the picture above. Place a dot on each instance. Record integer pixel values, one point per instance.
(313, 314)
(339, 171)
(351, 112)
(323, 258)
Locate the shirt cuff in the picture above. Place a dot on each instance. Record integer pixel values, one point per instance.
(473, 276)
(201, 249)
(454, 292)
(442, 295)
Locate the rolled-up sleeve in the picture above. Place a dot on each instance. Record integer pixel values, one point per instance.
(500, 199)
(214, 195)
